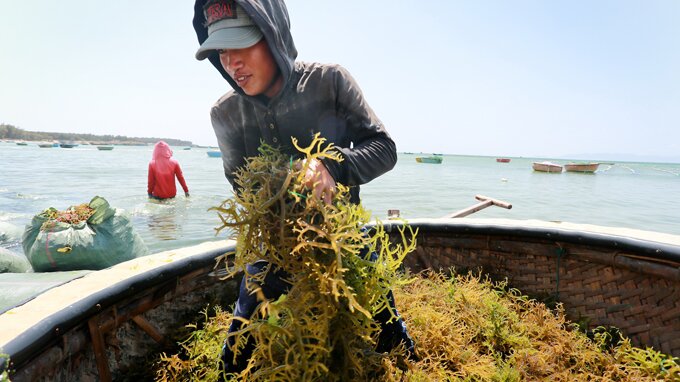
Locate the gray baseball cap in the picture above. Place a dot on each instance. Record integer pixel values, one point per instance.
(229, 27)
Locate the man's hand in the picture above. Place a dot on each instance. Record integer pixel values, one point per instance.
(319, 180)
(186, 194)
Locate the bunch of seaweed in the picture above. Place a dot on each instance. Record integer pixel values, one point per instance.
(340, 275)
(468, 328)
(71, 215)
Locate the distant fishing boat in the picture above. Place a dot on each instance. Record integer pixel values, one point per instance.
(187, 148)
(588, 167)
(45, 145)
(436, 159)
(502, 160)
(105, 148)
(22, 144)
(68, 145)
(547, 167)
(214, 154)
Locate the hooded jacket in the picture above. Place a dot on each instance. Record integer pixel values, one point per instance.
(162, 171)
(315, 98)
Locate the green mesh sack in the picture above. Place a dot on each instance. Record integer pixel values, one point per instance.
(89, 236)
(13, 263)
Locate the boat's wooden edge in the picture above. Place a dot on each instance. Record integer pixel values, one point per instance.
(654, 245)
(30, 327)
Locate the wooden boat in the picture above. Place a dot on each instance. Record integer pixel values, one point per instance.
(45, 145)
(581, 167)
(68, 145)
(436, 159)
(214, 154)
(103, 324)
(105, 148)
(503, 160)
(22, 144)
(547, 167)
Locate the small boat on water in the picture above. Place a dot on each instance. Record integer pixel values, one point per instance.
(588, 167)
(105, 148)
(214, 153)
(22, 144)
(547, 167)
(187, 148)
(45, 145)
(68, 145)
(102, 324)
(436, 159)
(503, 160)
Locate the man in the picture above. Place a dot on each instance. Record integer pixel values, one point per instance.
(275, 98)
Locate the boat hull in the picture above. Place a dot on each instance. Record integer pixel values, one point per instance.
(432, 160)
(581, 167)
(503, 160)
(603, 276)
(547, 167)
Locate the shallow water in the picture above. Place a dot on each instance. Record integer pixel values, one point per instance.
(626, 194)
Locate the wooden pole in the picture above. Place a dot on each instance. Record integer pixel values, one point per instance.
(99, 347)
(485, 201)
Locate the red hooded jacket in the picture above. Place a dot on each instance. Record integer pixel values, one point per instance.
(162, 171)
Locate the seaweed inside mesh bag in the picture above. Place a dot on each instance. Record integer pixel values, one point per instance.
(323, 328)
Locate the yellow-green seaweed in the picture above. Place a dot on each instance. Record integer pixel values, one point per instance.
(468, 328)
(323, 328)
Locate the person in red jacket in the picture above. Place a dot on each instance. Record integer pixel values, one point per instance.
(162, 171)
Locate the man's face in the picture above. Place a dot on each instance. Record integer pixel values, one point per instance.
(253, 69)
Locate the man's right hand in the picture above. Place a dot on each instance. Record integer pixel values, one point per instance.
(319, 180)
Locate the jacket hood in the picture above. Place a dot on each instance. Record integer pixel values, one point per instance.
(271, 16)
(161, 151)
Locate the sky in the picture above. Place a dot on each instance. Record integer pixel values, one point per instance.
(550, 78)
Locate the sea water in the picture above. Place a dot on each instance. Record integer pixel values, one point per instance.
(623, 194)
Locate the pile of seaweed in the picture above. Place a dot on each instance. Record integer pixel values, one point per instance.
(71, 215)
(465, 327)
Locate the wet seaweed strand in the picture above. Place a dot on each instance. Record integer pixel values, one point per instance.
(323, 327)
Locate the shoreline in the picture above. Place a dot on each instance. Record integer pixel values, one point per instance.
(96, 143)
